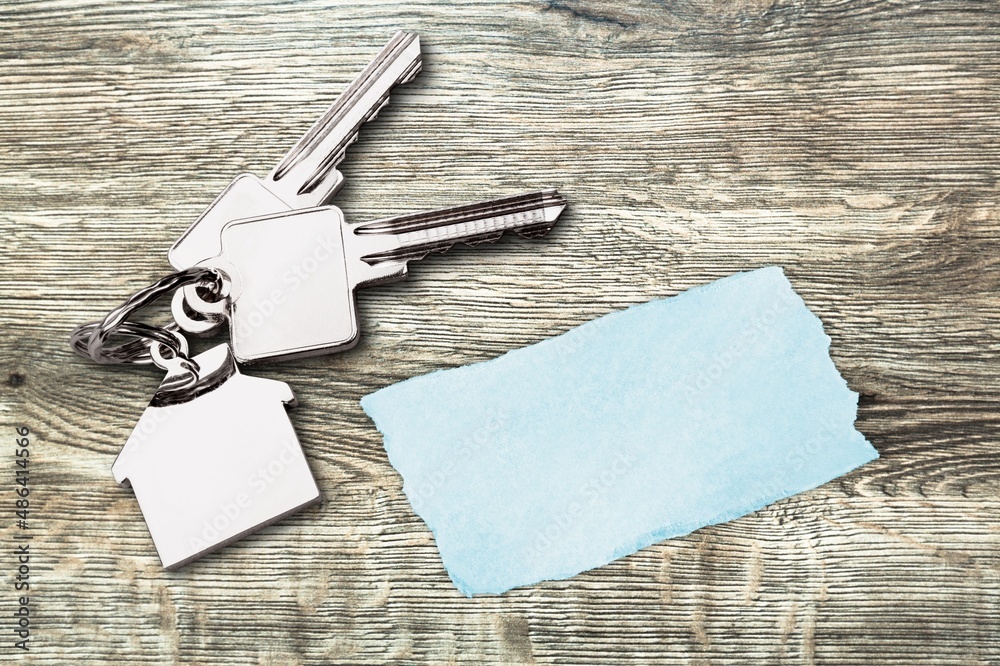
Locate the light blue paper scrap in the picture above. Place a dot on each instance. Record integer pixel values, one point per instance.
(641, 425)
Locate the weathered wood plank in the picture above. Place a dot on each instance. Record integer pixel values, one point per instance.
(854, 142)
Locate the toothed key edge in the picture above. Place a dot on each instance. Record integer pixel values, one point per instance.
(401, 41)
(323, 171)
(548, 200)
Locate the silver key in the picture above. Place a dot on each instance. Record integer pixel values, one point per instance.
(307, 176)
(289, 278)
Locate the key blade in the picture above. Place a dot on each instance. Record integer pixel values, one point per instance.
(307, 176)
(411, 237)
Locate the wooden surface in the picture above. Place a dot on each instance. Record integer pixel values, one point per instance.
(854, 142)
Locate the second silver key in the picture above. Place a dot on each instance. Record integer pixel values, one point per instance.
(289, 279)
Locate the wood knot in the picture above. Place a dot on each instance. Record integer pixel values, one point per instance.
(865, 399)
(15, 379)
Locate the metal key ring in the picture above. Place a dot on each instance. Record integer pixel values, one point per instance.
(135, 351)
(90, 340)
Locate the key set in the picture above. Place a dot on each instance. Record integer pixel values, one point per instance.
(214, 456)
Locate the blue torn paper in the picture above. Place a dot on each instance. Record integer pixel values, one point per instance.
(641, 425)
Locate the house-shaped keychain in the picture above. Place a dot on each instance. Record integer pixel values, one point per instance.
(211, 466)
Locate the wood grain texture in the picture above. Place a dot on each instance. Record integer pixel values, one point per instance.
(854, 142)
